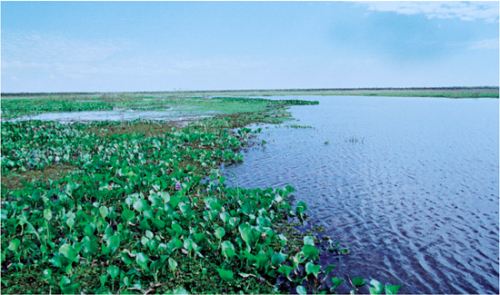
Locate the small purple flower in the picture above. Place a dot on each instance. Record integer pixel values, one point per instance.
(186, 179)
(177, 186)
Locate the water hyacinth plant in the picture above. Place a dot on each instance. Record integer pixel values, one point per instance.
(140, 207)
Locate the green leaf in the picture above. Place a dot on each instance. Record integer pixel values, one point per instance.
(142, 259)
(89, 245)
(228, 249)
(113, 271)
(126, 258)
(67, 287)
(104, 279)
(308, 240)
(47, 214)
(311, 268)
(224, 216)
(174, 201)
(329, 269)
(47, 273)
(310, 252)
(68, 252)
(277, 258)
(89, 229)
(298, 258)
(56, 261)
(190, 245)
(199, 237)
(165, 197)
(358, 282)
(140, 205)
(70, 222)
(174, 244)
(283, 240)
(113, 243)
(301, 290)
(155, 265)
(14, 244)
(248, 235)
(336, 282)
(289, 189)
(172, 264)
(104, 211)
(301, 207)
(234, 221)
(286, 270)
(392, 289)
(377, 287)
(225, 275)
(220, 233)
(264, 221)
(177, 229)
(128, 215)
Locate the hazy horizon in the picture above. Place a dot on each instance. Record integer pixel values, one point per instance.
(451, 88)
(167, 46)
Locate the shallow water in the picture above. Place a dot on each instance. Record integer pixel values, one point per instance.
(415, 198)
(172, 114)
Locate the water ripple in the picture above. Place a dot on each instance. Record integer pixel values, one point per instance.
(415, 198)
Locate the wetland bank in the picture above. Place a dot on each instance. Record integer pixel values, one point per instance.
(144, 203)
(140, 206)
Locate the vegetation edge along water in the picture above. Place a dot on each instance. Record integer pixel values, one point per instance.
(450, 92)
(140, 207)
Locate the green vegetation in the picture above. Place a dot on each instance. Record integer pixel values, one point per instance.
(450, 92)
(140, 207)
(180, 106)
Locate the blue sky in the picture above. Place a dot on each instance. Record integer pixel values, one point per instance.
(155, 46)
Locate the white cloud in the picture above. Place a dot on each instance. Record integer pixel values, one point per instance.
(484, 44)
(466, 11)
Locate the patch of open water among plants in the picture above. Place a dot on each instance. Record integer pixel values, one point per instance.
(173, 114)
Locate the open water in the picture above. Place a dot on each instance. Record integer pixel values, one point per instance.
(409, 185)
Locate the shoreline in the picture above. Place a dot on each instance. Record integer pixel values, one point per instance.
(142, 213)
(451, 92)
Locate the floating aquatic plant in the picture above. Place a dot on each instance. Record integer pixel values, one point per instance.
(144, 209)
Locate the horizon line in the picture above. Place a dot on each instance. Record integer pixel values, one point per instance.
(248, 90)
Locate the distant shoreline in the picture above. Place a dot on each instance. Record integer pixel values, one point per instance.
(450, 92)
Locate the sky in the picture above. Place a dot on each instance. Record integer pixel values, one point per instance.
(165, 46)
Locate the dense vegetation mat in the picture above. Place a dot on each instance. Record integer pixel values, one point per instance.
(140, 207)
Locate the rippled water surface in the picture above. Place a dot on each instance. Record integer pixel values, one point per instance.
(409, 185)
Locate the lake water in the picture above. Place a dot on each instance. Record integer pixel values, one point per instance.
(409, 185)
